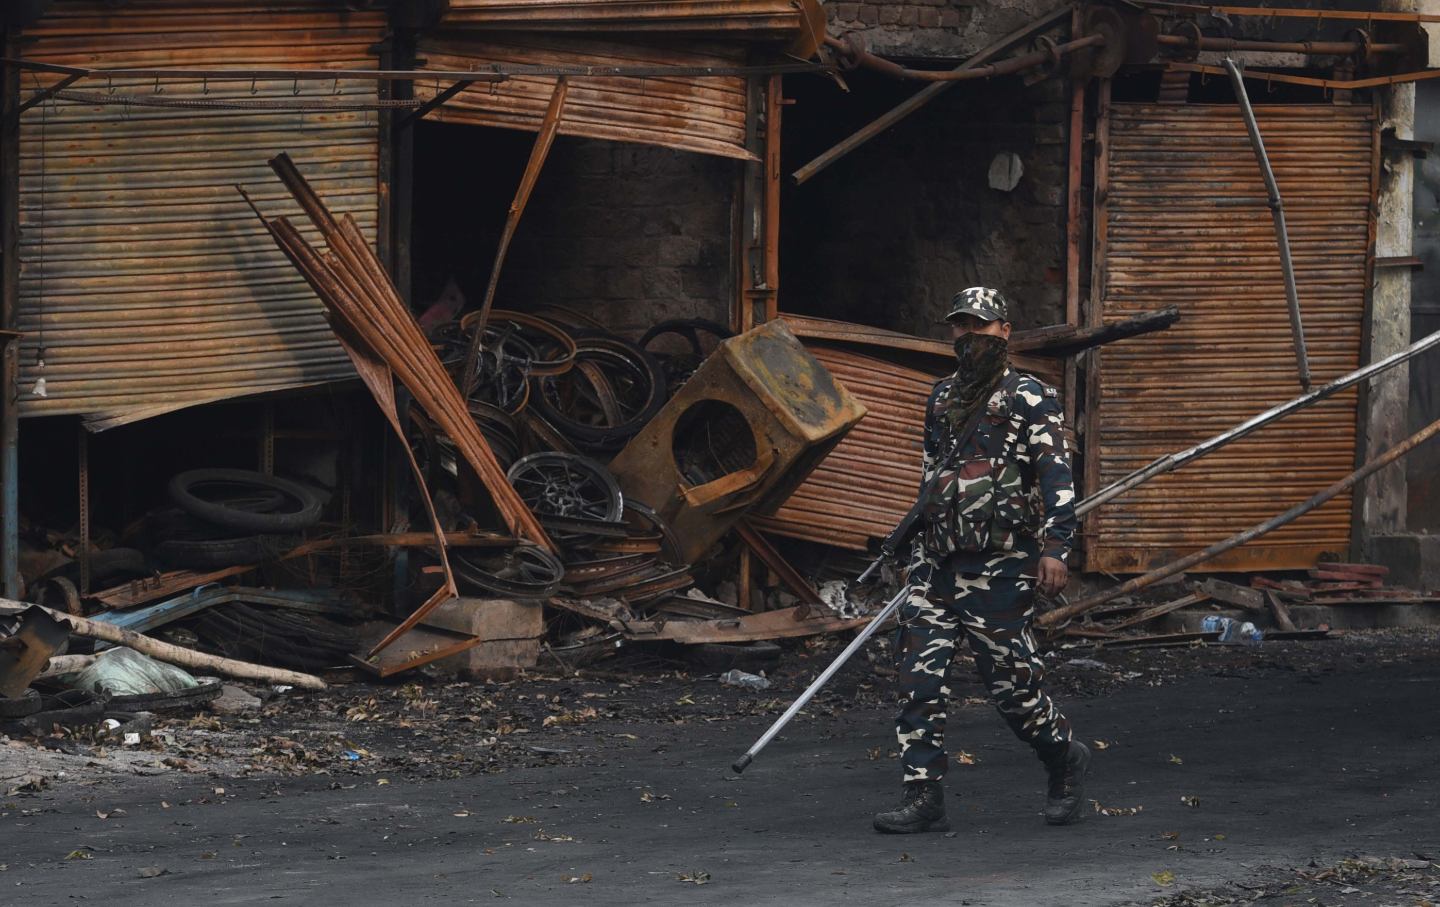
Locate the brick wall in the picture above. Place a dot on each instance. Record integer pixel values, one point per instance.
(628, 233)
(934, 28)
(890, 232)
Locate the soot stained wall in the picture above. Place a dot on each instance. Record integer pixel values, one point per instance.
(627, 233)
(939, 28)
(887, 235)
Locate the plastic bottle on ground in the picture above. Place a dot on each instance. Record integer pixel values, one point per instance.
(738, 678)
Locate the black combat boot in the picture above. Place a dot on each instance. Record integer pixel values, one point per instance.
(1067, 785)
(921, 809)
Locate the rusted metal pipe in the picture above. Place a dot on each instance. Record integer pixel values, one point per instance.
(544, 139)
(927, 94)
(498, 73)
(1277, 213)
(1060, 615)
(1327, 84)
(10, 581)
(1311, 48)
(853, 52)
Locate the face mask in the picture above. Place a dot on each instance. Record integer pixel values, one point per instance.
(980, 358)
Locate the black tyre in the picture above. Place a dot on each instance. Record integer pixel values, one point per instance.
(241, 499)
(70, 709)
(110, 565)
(632, 389)
(209, 690)
(720, 657)
(205, 554)
(525, 571)
(27, 703)
(174, 523)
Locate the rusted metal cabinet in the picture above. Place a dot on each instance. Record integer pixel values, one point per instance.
(741, 434)
(146, 283)
(869, 481)
(1181, 219)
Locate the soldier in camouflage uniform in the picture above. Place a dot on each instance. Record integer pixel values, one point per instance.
(980, 554)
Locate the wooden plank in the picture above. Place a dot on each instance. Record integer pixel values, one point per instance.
(1150, 614)
(415, 647)
(1365, 569)
(1344, 577)
(1278, 611)
(1231, 594)
(140, 591)
(786, 623)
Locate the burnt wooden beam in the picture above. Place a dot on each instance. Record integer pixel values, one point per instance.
(1087, 338)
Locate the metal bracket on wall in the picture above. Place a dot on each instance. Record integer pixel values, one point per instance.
(439, 100)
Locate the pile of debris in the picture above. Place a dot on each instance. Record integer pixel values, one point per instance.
(1214, 610)
(1335, 583)
(567, 480)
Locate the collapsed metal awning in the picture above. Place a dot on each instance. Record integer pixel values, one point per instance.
(699, 112)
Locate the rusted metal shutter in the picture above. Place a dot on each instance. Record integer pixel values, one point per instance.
(863, 487)
(1183, 221)
(690, 113)
(146, 282)
(779, 19)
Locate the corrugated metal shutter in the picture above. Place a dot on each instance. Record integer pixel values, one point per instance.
(778, 19)
(867, 483)
(145, 280)
(1185, 223)
(690, 113)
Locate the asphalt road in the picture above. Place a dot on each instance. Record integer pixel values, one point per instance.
(1288, 767)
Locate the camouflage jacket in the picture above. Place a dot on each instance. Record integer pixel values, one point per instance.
(1008, 496)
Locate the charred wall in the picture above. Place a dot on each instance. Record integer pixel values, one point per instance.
(887, 234)
(629, 234)
(934, 28)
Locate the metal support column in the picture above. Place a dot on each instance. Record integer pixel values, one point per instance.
(9, 306)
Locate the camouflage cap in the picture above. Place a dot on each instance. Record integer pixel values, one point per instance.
(982, 302)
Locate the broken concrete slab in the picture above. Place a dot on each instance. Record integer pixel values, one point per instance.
(234, 701)
(510, 630)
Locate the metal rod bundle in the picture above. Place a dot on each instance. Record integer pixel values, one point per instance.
(353, 285)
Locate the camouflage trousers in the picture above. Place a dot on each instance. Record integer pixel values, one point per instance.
(993, 614)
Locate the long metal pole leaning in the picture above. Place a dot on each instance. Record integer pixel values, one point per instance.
(1277, 213)
(1162, 465)
(1060, 615)
(926, 94)
(1175, 460)
(804, 698)
(544, 139)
